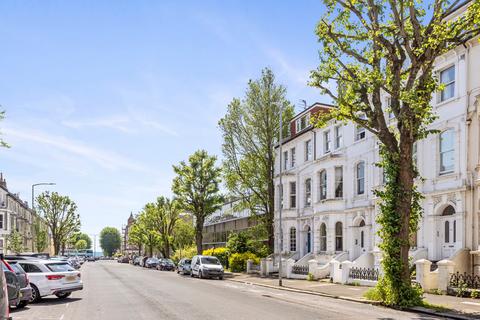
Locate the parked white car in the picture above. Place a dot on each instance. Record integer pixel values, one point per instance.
(50, 277)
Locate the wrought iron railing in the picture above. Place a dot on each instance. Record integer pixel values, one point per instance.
(468, 280)
(300, 269)
(364, 273)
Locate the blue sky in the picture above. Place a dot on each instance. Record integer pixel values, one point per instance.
(102, 97)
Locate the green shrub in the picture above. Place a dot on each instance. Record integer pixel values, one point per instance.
(221, 253)
(238, 261)
(187, 252)
(310, 277)
(475, 294)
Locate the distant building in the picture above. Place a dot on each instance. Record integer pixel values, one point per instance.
(127, 248)
(225, 221)
(15, 214)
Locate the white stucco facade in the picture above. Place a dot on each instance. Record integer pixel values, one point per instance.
(448, 162)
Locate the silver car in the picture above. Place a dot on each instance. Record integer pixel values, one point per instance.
(184, 266)
(206, 267)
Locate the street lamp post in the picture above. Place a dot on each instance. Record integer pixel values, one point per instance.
(280, 192)
(39, 184)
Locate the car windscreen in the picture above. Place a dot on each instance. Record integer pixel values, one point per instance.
(210, 260)
(17, 268)
(59, 267)
(188, 261)
(153, 260)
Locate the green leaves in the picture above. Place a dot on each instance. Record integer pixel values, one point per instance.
(250, 131)
(110, 240)
(15, 242)
(371, 50)
(3, 143)
(60, 214)
(196, 187)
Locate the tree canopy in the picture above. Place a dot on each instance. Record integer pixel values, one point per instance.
(60, 214)
(250, 131)
(110, 240)
(378, 58)
(196, 187)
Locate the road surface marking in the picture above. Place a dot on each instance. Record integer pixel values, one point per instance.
(471, 303)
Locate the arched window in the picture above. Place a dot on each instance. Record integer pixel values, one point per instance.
(338, 236)
(323, 237)
(293, 239)
(362, 223)
(360, 173)
(447, 151)
(447, 231)
(323, 185)
(448, 211)
(362, 236)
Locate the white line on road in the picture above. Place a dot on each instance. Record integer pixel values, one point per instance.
(471, 303)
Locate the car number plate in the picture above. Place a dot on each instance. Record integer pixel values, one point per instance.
(71, 278)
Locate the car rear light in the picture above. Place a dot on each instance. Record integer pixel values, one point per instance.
(55, 277)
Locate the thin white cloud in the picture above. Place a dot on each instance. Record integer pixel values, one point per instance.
(105, 159)
(120, 123)
(132, 122)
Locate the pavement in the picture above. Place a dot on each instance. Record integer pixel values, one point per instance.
(124, 292)
(460, 308)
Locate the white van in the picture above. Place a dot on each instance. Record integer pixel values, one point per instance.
(206, 267)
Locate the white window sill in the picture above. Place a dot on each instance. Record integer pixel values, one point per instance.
(442, 103)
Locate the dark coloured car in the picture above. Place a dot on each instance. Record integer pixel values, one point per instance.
(4, 308)
(123, 259)
(152, 263)
(13, 285)
(24, 282)
(184, 266)
(166, 265)
(90, 259)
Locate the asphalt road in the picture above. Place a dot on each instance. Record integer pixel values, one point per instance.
(124, 292)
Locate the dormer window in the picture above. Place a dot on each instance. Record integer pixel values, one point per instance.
(302, 122)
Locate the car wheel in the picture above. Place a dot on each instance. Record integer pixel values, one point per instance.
(200, 274)
(35, 294)
(22, 304)
(191, 274)
(63, 295)
(220, 278)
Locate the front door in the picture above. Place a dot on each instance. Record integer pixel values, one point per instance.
(308, 246)
(448, 231)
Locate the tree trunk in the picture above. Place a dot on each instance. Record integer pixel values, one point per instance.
(56, 246)
(199, 234)
(270, 214)
(404, 205)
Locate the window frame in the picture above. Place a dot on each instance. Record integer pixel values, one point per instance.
(360, 133)
(338, 137)
(323, 237)
(293, 239)
(338, 236)
(327, 142)
(292, 157)
(308, 193)
(285, 160)
(322, 185)
(441, 152)
(293, 194)
(339, 182)
(359, 179)
(441, 98)
(308, 150)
